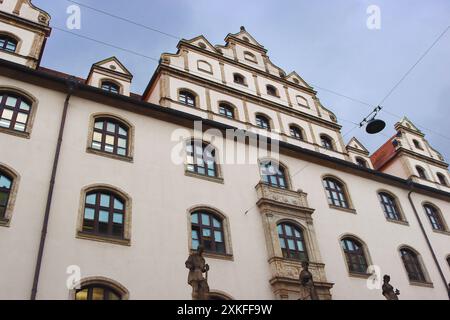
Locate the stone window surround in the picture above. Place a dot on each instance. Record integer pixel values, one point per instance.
(271, 122)
(196, 96)
(403, 219)
(226, 231)
(303, 132)
(5, 222)
(351, 207)
(117, 83)
(333, 142)
(32, 113)
(231, 105)
(131, 133)
(99, 280)
(366, 255)
(446, 230)
(219, 175)
(128, 215)
(428, 283)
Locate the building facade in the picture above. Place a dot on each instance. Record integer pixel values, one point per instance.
(113, 190)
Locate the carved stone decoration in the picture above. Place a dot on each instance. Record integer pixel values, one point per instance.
(278, 205)
(388, 290)
(307, 283)
(197, 266)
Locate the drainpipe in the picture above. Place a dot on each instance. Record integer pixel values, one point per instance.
(411, 186)
(71, 86)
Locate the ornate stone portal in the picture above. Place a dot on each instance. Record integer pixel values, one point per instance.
(280, 205)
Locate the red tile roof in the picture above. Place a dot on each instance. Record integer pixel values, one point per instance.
(384, 154)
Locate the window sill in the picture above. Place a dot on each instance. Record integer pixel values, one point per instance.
(444, 232)
(109, 155)
(402, 222)
(4, 222)
(204, 177)
(99, 238)
(350, 210)
(19, 134)
(359, 275)
(421, 284)
(220, 256)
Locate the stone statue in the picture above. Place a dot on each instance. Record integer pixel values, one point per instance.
(197, 266)
(307, 282)
(388, 290)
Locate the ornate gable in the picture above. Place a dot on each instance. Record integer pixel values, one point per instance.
(202, 42)
(244, 36)
(357, 146)
(113, 64)
(295, 78)
(110, 71)
(408, 125)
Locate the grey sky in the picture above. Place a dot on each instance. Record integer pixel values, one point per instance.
(326, 42)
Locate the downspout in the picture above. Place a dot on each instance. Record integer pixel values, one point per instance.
(411, 186)
(71, 85)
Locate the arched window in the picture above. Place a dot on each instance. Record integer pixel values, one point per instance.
(442, 179)
(302, 101)
(97, 292)
(226, 110)
(271, 90)
(421, 172)
(262, 122)
(273, 174)
(110, 87)
(8, 43)
(355, 255)
(249, 56)
(292, 241)
(412, 265)
(296, 132)
(201, 158)
(104, 214)
(110, 136)
(361, 162)
(207, 230)
(390, 207)
(14, 111)
(327, 142)
(336, 193)
(435, 217)
(5, 191)
(239, 79)
(187, 98)
(417, 144)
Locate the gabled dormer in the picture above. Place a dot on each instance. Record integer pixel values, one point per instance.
(358, 153)
(23, 32)
(409, 155)
(110, 75)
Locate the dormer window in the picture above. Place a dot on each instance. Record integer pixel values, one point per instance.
(110, 87)
(239, 79)
(417, 144)
(271, 90)
(7, 43)
(361, 162)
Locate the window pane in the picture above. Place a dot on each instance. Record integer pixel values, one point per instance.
(99, 125)
(96, 145)
(111, 127)
(3, 199)
(82, 295)
(206, 233)
(24, 106)
(216, 223)
(104, 200)
(205, 219)
(195, 244)
(122, 131)
(291, 244)
(288, 230)
(5, 182)
(19, 127)
(5, 123)
(121, 151)
(97, 136)
(103, 216)
(122, 143)
(194, 218)
(11, 101)
(97, 294)
(89, 214)
(109, 148)
(118, 218)
(218, 236)
(118, 204)
(7, 114)
(109, 139)
(194, 234)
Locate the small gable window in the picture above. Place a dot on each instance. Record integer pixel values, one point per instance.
(421, 172)
(8, 43)
(442, 179)
(246, 39)
(263, 122)
(271, 90)
(326, 141)
(417, 144)
(239, 79)
(187, 98)
(226, 110)
(110, 87)
(361, 162)
(296, 132)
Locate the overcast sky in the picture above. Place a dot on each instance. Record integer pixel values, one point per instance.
(326, 42)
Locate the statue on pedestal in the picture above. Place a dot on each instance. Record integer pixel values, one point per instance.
(197, 266)
(388, 289)
(307, 282)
